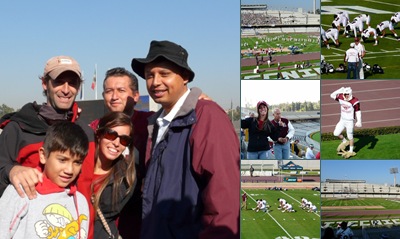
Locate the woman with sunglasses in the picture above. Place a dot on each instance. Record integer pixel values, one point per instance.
(114, 174)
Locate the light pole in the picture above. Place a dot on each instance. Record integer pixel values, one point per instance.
(394, 171)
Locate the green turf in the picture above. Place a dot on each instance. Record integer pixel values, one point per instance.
(316, 136)
(262, 43)
(358, 213)
(299, 224)
(369, 147)
(250, 42)
(383, 54)
(387, 204)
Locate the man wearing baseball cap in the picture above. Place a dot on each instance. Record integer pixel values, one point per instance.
(24, 131)
(352, 59)
(192, 154)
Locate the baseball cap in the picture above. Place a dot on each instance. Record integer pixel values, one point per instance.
(311, 146)
(165, 49)
(261, 102)
(59, 64)
(352, 44)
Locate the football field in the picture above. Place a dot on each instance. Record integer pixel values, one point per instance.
(384, 54)
(277, 225)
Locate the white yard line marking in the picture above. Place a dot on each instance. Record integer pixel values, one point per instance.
(297, 201)
(287, 233)
(380, 2)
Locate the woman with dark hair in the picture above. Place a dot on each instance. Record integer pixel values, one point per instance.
(114, 175)
(259, 130)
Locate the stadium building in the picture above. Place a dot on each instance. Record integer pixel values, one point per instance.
(334, 188)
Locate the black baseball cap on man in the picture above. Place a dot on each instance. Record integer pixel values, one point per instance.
(163, 49)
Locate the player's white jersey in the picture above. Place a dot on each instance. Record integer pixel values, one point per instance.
(347, 111)
(262, 205)
(340, 20)
(396, 17)
(385, 24)
(288, 206)
(345, 234)
(313, 208)
(364, 18)
(369, 31)
(282, 201)
(359, 24)
(343, 17)
(332, 33)
(354, 26)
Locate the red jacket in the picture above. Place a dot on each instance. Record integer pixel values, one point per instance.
(23, 136)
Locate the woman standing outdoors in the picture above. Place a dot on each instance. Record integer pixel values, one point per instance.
(114, 175)
(260, 129)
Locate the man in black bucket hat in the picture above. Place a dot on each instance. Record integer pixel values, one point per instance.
(192, 154)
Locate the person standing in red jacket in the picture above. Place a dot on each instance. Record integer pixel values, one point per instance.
(23, 135)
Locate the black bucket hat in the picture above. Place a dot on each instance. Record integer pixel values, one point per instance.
(166, 49)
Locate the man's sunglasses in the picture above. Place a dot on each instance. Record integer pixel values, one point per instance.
(110, 134)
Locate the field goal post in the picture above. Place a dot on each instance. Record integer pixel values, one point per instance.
(260, 168)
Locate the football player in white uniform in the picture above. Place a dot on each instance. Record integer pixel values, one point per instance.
(282, 202)
(395, 18)
(381, 28)
(354, 27)
(340, 18)
(364, 18)
(333, 34)
(349, 107)
(304, 203)
(288, 208)
(370, 32)
(312, 208)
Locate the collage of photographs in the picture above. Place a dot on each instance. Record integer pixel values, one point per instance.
(140, 120)
(320, 119)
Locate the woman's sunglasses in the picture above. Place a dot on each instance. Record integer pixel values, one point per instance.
(110, 134)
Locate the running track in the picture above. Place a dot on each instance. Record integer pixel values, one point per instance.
(283, 58)
(379, 101)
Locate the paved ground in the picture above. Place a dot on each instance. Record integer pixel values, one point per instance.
(379, 99)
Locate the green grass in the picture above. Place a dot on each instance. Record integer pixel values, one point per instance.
(383, 54)
(263, 43)
(387, 204)
(288, 66)
(316, 136)
(268, 225)
(369, 147)
(358, 213)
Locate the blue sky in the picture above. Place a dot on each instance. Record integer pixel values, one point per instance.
(291, 5)
(110, 34)
(253, 91)
(373, 171)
